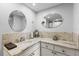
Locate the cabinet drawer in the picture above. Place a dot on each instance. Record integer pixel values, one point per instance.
(47, 45)
(64, 50)
(30, 50)
(46, 52)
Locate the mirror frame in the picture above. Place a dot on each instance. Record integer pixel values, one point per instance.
(11, 19)
(51, 16)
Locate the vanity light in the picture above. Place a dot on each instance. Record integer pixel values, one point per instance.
(33, 4)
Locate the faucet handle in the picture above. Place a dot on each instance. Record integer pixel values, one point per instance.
(22, 39)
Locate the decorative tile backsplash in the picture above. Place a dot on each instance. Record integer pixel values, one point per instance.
(14, 37)
(62, 35)
(46, 34)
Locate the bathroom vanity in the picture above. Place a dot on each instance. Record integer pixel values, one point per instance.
(42, 47)
(48, 49)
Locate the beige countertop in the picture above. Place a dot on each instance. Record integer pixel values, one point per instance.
(27, 43)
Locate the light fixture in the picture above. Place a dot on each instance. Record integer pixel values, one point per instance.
(33, 4)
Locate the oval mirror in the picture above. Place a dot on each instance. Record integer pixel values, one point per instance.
(52, 20)
(17, 21)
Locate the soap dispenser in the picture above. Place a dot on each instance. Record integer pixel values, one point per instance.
(36, 34)
(31, 35)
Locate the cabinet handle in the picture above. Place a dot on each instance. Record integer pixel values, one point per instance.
(63, 51)
(46, 46)
(54, 53)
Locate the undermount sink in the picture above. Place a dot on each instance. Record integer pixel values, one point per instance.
(24, 44)
(29, 41)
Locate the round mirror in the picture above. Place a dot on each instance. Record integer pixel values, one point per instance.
(52, 20)
(17, 21)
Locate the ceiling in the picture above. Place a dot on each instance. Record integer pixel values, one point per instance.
(40, 6)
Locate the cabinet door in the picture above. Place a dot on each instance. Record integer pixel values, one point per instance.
(29, 50)
(47, 45)
(64, 50)
(46, 52)
(35, 53)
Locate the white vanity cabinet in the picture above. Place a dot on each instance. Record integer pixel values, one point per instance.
(31, 51)
(49, 50)
(55, 50)
(46, 52)
(64, 50)
(46, 49)
(47, 45)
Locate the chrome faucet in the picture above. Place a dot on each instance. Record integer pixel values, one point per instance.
(55, 38)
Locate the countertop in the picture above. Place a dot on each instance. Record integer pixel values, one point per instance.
(27, 43)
